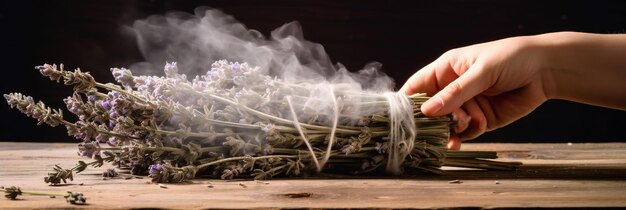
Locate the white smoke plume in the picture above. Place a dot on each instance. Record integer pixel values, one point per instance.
(197, 40)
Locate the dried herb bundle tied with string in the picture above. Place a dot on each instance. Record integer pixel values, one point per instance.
(235, 121)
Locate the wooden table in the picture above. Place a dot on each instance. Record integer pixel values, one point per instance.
(553, 176)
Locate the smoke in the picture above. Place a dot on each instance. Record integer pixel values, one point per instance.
(197, 40)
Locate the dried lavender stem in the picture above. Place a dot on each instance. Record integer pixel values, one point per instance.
(198, 167)
(181, 151)
(277, 119)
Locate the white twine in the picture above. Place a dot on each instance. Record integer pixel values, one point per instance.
(331, 141)
(318, 164)
(296, 124)
(402, 131)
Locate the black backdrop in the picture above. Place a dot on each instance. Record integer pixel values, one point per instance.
(403, 35)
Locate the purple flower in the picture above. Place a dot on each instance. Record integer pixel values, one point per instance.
(114, 94)
(88, 149)
(86, 131)
(171, 69)
(114, 141)
(123, 76)
(105, 104)
(211, 75)
(97, 118)
(113, 114)
(200, 85)
(74, 105)
(155, 169)
(236, 67)
(102, 138)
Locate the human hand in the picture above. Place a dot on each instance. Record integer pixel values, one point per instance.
(485, 86)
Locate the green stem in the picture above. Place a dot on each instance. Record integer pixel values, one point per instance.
(43, 193)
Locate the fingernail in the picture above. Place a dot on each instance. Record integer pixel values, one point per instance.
(433, 105)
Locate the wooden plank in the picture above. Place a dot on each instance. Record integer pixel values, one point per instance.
(554, 175)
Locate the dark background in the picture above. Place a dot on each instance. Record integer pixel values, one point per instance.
(403, 35)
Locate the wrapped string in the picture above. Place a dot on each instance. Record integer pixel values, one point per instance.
(402, 131)
(296, 124)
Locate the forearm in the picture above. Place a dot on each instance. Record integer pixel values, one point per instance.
(586, 68)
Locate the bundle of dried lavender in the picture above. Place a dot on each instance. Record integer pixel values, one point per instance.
(235, 121)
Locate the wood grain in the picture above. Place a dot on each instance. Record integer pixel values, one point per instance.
(554, 176)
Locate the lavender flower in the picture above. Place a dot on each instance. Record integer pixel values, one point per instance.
(86, 131)
(12, 192)
(51, 71)
(171, 70)
(106, 104)
(102, 137)
(91, 98)
(74, 105)
(155, 170)
(167, 173)
(123, 76)
(83, 82)
(38, 110)
(75, 198)
(88, 149)
(110, 173)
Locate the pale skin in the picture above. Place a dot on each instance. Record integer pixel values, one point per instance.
(489, 85)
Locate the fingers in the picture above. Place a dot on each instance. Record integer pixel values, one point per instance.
(454, 143)
(460, 83)
(450, 98)
(462, 120)
(478, 122)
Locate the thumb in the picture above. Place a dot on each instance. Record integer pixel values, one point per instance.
(455, 94)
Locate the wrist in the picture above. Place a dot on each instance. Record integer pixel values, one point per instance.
(583, 67)
(557, 68)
